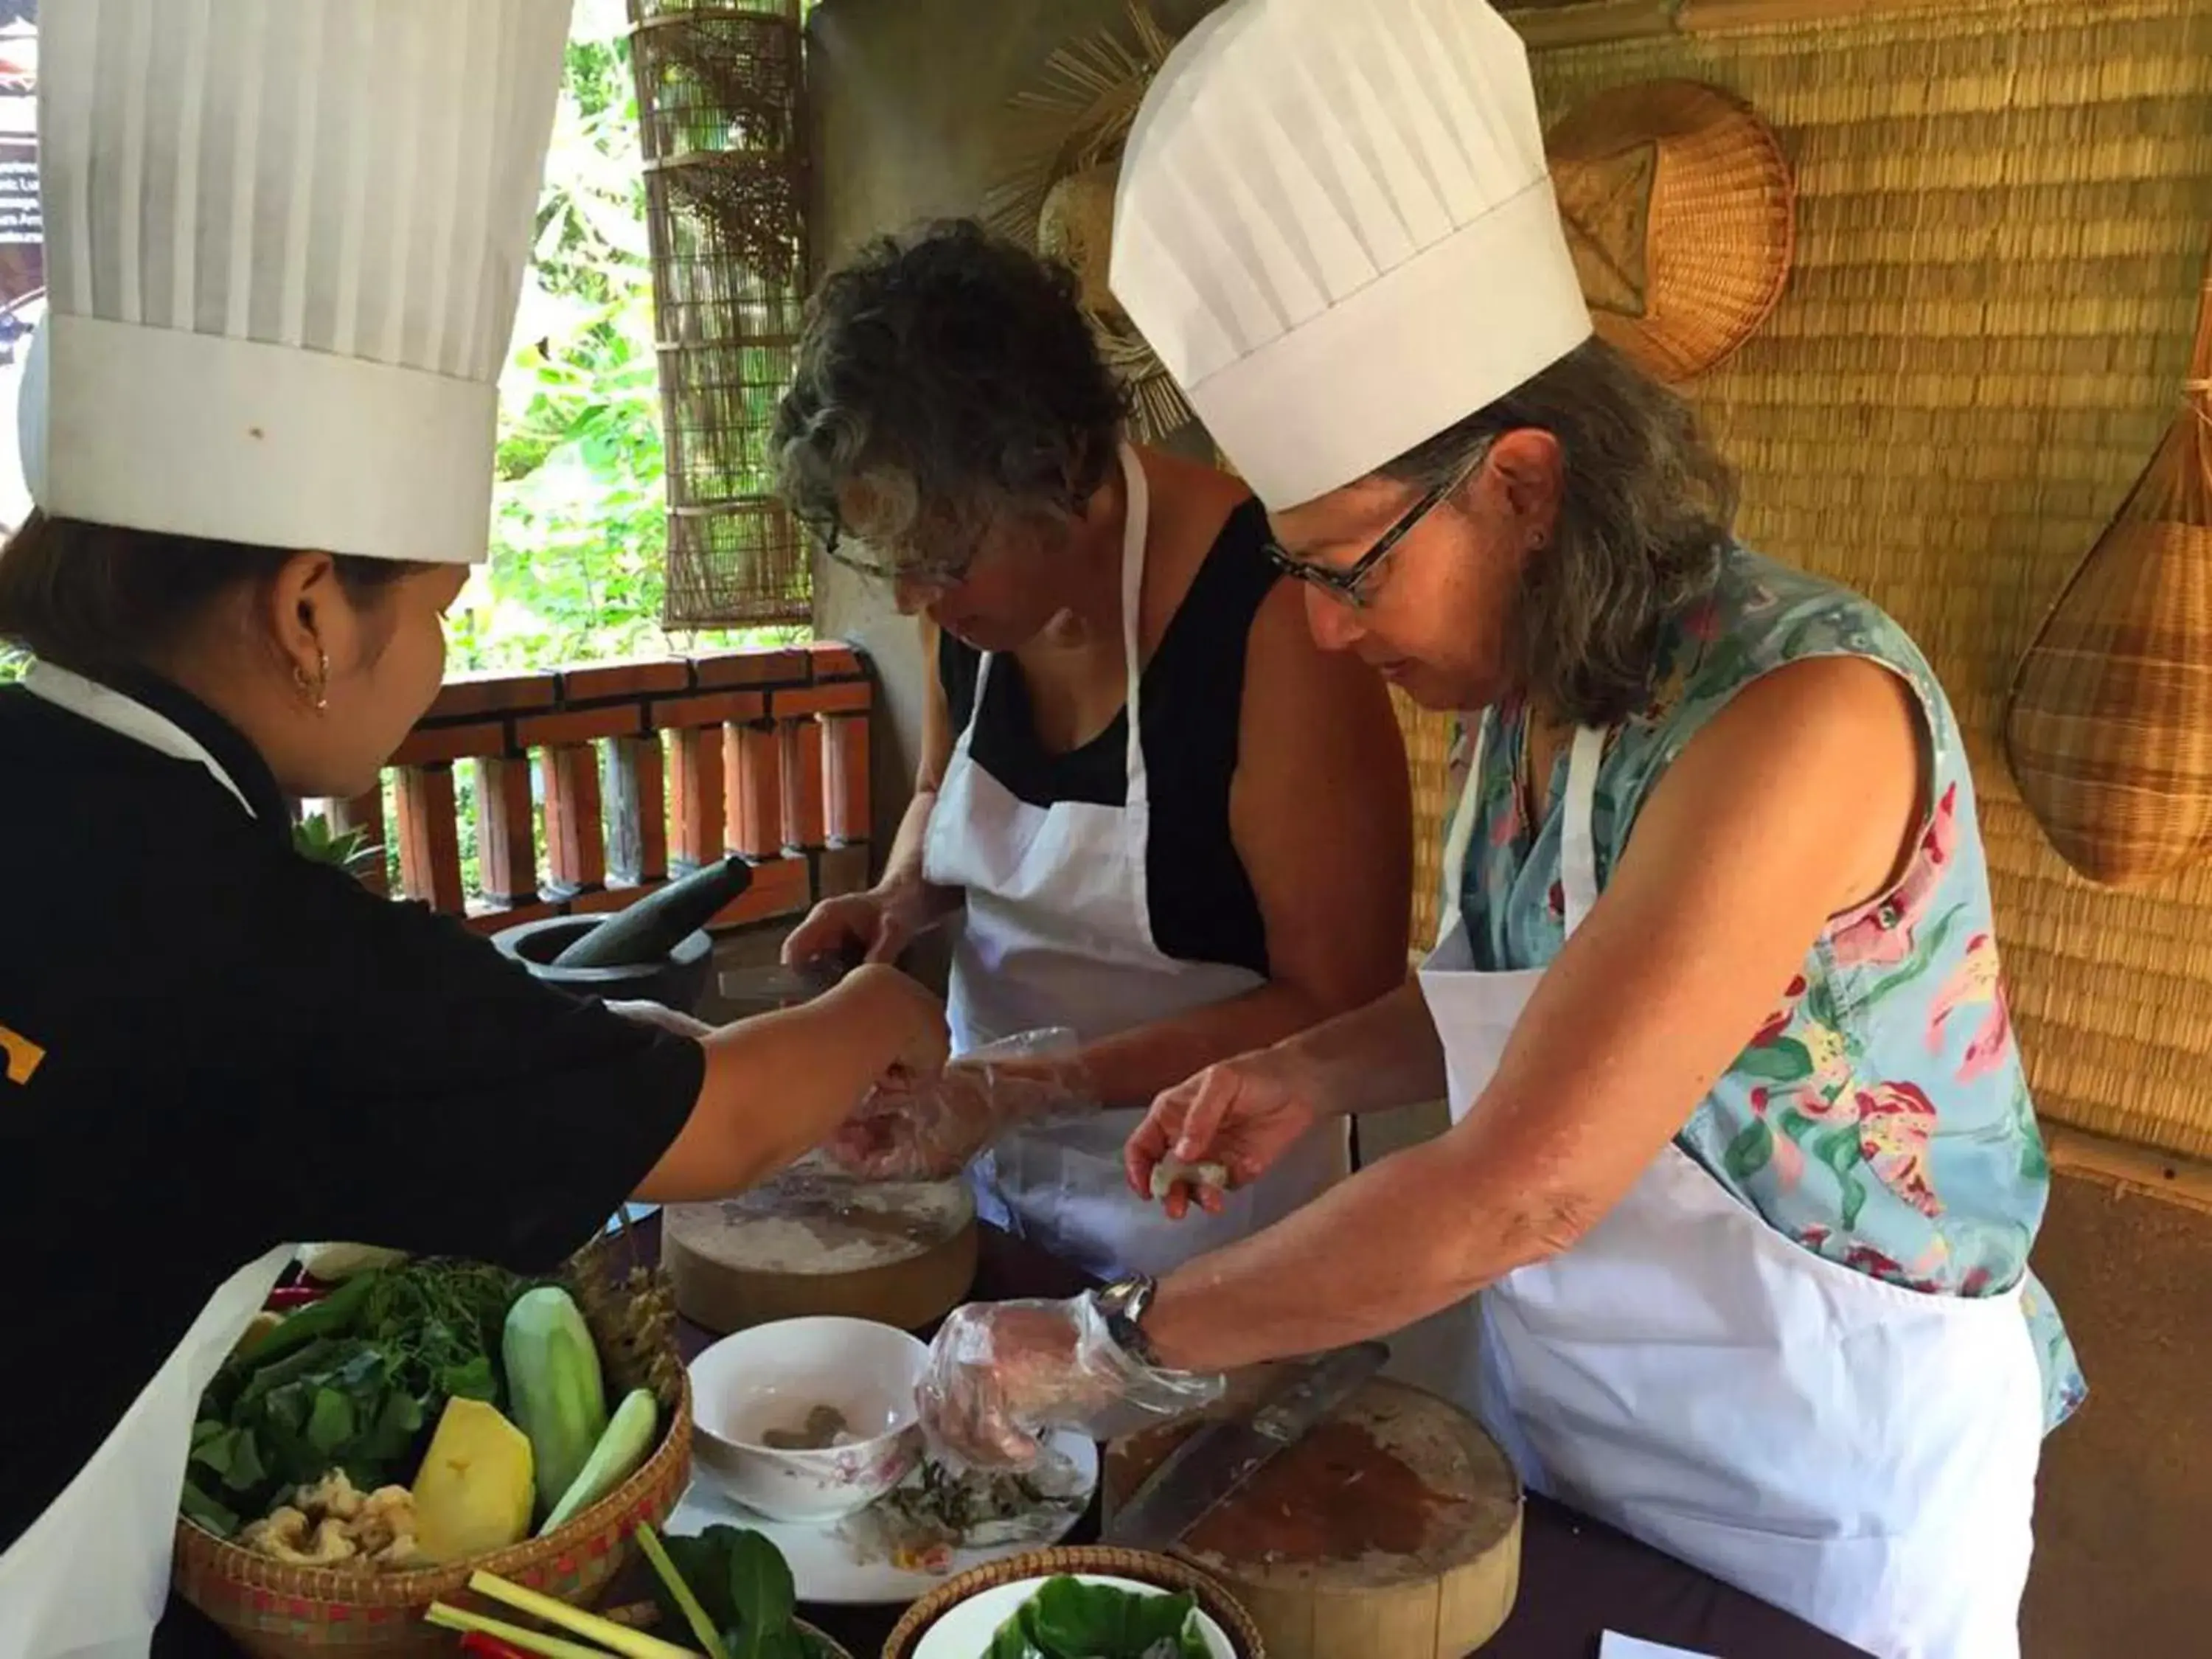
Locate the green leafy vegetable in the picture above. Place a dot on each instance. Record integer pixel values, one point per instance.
(1068, 1618)
(354, 1382)
(744, 1585)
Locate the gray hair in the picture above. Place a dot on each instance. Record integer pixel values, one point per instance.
(1646, 510)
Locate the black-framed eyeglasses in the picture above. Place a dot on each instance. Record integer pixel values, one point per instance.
(1348, 585)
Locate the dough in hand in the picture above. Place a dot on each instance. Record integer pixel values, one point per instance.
(1170, 1172)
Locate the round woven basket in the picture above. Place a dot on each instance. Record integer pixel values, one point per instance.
(275, 1610)
(1681, 213)
(1101, 1559)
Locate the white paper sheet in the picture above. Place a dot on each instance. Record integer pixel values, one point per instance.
(1616, 1646)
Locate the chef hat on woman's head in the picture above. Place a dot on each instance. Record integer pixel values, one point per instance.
(1335, 226)
(285, 240)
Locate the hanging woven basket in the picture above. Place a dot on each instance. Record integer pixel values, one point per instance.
(2109, 727)
(1681, 215)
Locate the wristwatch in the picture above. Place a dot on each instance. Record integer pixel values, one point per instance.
(1122, 1305)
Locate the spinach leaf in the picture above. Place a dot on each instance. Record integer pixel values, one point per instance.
(1068, 1619)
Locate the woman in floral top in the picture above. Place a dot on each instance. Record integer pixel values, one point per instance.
(1728, 1243)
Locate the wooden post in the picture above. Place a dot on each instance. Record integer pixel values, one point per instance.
(696, 790)
(637, 811)
(429, 838)
(575, 845)
(845, 770)
(507, 850)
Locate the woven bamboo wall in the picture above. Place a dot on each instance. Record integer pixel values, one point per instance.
(2004, 212)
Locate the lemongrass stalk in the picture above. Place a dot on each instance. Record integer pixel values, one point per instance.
(530, 1641)
(680, 1593)
(620, 1638)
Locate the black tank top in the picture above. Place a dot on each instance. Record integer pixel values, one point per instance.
(1203, 908)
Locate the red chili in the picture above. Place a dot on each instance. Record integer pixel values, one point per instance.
(285, 1297)
(490, 1647)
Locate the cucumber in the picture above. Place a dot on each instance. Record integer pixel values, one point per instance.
(555, 1388)
(621, 1450)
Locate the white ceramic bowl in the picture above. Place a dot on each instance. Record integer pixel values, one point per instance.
(966, 1631)
(757, 1382)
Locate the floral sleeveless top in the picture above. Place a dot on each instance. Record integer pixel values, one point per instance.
(1880, 1116)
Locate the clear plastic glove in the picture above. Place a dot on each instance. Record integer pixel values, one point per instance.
(928, 1129)
(668, 1019)
(1002, 1375)
(852, 927)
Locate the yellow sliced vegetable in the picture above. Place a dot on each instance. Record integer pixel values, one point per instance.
(474, 1493)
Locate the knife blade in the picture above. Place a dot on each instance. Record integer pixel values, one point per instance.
(1202, 1473)
(777, 982)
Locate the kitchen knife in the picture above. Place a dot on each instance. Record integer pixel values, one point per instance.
(1204, 1471)
(774, 982)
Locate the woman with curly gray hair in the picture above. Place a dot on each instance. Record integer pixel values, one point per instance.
(1168, 823)
(1727, 1241)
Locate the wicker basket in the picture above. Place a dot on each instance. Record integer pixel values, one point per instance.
(1094, 1558)
(2109, 725)
(273, 1610)
(1680, 213)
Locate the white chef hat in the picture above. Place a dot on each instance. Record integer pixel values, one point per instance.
(1335, 228)
(284, 241)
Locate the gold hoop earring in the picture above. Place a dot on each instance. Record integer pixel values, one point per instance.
(316, 691)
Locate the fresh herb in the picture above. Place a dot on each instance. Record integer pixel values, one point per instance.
(1068, 1618)
(743, 1586)
(352, 1382)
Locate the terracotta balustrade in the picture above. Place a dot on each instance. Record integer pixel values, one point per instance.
(629, 772)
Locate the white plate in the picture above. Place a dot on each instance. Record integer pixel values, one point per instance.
(823, 1564)
(965, 1631)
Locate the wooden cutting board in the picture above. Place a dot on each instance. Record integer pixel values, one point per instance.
(810, 1242)
(1391, 1531)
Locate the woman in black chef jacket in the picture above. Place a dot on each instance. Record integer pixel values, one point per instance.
(262, 468)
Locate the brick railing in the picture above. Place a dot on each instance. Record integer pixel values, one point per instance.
(624, 772)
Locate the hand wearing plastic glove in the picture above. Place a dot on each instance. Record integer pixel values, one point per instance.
(1241, 1115)
(929, 1128)
(876, 925)
(1002, 1375)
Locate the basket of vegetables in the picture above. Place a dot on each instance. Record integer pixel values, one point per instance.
(366, 1453)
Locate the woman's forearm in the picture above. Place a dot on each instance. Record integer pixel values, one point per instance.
(1393, 1244)
(1386, 1055)
(1130, 1067)
(778, 1085)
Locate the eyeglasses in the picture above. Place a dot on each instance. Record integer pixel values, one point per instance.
(927, 573)
(1348, 585)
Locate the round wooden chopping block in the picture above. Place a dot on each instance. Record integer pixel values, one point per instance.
(1391, 1531)
(901, 1254)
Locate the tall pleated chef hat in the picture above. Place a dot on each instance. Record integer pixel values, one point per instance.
(285, 242)
(1335, 228)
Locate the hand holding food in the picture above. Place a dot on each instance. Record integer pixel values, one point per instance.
(1224, 1128)
(929, 1128)
(869, 927)
(1002, 1373)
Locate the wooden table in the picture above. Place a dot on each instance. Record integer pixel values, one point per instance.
(1579, 1577)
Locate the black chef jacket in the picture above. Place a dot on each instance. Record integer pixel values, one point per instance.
(210, 1045)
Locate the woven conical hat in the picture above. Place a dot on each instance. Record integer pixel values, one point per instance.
(1681, 215)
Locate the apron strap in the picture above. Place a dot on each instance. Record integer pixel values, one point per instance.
(126, 717)
(1579, 837)
(1578, 834)
(1137, 505)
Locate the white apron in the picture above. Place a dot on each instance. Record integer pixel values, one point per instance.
(1859, 1454)
(90, 1579)
(1058, 933)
